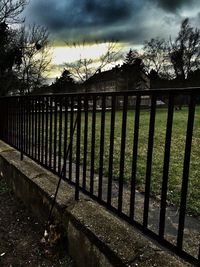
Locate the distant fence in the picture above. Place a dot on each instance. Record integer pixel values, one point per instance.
(106, 144)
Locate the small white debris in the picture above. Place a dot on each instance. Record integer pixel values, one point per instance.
(1, 174)
(45, 233)
(2, 254)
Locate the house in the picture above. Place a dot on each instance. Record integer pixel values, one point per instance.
(120, 78)
(117, 79)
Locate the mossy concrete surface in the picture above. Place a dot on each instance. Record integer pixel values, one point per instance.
(95, 236)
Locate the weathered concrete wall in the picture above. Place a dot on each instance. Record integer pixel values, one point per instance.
(95, 236)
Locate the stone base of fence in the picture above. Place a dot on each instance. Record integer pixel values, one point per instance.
(95, 236)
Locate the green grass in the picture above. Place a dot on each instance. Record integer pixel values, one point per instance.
(176, 157)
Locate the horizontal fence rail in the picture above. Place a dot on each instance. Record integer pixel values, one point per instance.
(135, 152)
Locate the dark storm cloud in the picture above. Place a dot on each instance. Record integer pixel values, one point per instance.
(172, 5)
(127, 20)
(107, 12)
(80, 13)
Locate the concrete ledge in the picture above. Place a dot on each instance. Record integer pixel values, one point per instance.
(95, 236)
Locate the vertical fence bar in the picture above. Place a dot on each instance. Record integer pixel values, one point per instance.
(4, 122)
(1, 121)
(166, 165)
(71, 137)
(65, 138)
(36, 126)
(17, 122)
(11, 121)
(149, 161)
(55, 134)
(21, 127)
(42, 140)
(103, 109)
(14, 121)
(8, 122)
(25, 124)
(78, 137)
(122, 154)
(93, 147)
(29, 124)
(112, 135)
(50, 132)
(135, 151)
(46, 129)
(60, 137)
(85, 141)
(39, 127)
(186, 167)
(32, 126)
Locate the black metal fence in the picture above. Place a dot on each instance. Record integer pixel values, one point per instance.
(122, 149)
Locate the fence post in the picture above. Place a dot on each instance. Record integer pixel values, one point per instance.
(21, 127)
(1, 123)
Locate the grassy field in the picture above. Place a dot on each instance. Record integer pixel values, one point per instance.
(176, 159)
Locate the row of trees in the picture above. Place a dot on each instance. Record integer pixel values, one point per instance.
(25, 56)
(24, 52)
(177, 59)
(167, 62)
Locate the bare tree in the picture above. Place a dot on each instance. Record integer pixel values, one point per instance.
(156, 56)
(35, 56)
(84, 67)
(10, 10)
(184, 51)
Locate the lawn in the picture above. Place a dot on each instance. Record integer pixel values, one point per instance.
(176, 158)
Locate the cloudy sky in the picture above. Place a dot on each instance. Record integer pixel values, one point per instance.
(128, 21)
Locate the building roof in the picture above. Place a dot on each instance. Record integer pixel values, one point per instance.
(104, 76)
(113, 74)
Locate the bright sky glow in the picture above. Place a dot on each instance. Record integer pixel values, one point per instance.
(64, 54)
(70, 54)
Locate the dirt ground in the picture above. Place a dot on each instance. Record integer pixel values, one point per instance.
(20, 236)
